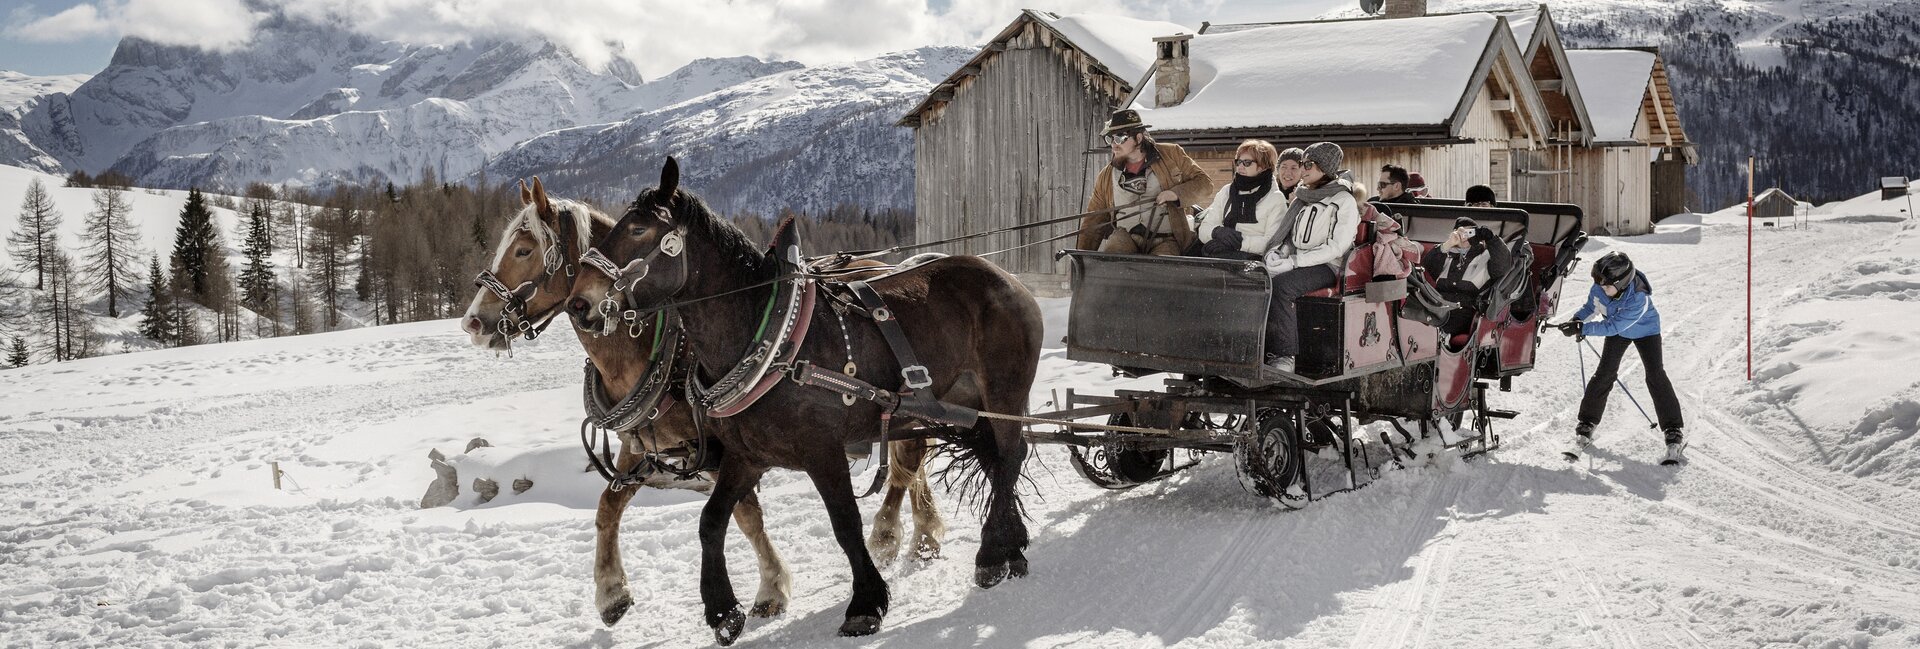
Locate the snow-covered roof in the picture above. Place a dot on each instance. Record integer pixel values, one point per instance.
(1124, 45)
(1772, 192)
(1893, 182)
(1379, 72)
(1614, 85)
(1112, 53)
(1522, 24)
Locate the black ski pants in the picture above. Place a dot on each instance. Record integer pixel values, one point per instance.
(1666, 406)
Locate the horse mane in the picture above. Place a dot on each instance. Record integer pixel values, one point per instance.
(583, 236)
(728, 240)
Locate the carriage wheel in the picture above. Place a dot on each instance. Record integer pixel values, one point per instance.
(1118, 467)
(1269, 459)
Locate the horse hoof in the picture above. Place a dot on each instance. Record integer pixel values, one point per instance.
(1017, 568)
(989, 576)
(729, 627)
(618, 609)
(860, 625)
(767, 608)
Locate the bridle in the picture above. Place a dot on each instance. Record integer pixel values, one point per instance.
(514, 320)
(625, 278)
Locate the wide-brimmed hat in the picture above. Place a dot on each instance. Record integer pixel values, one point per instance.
(1124, 120)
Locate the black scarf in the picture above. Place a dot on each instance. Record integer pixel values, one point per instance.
(1245, 195)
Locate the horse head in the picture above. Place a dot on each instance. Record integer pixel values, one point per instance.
(646, 259)
(533, 268)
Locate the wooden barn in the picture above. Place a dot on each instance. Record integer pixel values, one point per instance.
(1633, 171)
(1773, 206)
(1013, 136)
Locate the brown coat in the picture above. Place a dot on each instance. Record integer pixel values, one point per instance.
(1175, 171)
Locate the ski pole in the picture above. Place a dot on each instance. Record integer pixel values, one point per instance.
(1622, 384)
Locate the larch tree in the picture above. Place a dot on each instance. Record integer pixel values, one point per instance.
(110, 255)
(36, 234)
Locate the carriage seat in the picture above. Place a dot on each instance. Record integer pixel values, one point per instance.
(1358, 271)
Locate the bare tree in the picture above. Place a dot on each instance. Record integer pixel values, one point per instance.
(36, 235)
(109, 244)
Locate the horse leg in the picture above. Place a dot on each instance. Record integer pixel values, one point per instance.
(731, 483)
(1003, 535)
(776, 584)
(610, 594)
(929, 529)
(832, 479)
(884, 542)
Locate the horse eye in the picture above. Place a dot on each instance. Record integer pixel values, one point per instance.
(523, 252)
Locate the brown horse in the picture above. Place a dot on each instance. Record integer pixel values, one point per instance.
(530, 259)
(972, 324)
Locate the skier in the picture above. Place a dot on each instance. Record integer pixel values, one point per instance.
(1624, 299)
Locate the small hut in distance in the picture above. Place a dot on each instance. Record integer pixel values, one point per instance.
(1892, 187)
(1773, 205)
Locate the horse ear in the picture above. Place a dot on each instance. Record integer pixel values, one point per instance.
(539, 198)
(526, 196)
(669, 179)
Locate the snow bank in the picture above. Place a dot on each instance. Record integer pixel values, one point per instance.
(1409, 71)
(1613, 83)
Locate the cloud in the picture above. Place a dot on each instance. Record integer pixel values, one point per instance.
(209, 24)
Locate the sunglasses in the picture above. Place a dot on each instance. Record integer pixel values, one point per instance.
(1243, 162)
(1117, 138)
(1384, 183)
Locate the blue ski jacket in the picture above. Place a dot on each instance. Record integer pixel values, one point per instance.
(1630, 316)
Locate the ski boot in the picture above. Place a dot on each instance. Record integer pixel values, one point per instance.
(1676, 447)
(1582, 440)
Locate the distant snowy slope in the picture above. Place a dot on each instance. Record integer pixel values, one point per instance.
(805, 139)
(155, 215)
(17, 90)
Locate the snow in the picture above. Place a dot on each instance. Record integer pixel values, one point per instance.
(1378, 72)
(136, 506)
(17, 89)
(1613, 83)
(1123, 44)
(1522, 23)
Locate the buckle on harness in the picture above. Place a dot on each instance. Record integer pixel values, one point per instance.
(917, 376)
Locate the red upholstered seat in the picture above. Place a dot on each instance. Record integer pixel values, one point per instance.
(1359, 268)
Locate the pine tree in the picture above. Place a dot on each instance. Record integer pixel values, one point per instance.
(36, 234)
(194, 245)
(327, 246)
(17, 357)
(156, 318)
(109, 241)
(257, 279)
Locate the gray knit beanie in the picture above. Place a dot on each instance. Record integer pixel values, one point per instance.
(1295, 154)
(1325, 155)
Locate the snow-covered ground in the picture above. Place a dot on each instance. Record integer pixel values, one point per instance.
(137, 507)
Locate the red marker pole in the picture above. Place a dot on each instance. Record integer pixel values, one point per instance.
(1749, 268)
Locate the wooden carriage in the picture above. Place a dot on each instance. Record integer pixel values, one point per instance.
(1367, 355)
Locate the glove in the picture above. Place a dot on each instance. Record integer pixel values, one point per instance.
(1231, 237)
(1569, 328)
(1277, 263)
(1217, 247)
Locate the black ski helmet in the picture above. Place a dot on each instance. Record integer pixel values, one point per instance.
(1613, 269)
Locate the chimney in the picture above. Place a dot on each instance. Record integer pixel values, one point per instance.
(1170, 70)
(1405, 9)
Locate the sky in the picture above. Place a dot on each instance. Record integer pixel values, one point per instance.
(43, 37)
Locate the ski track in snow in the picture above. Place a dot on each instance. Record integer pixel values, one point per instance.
(136, 509)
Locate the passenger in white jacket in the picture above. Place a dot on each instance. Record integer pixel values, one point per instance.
(1305, 253)
(1240, 221)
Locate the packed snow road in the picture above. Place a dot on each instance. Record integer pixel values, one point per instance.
(137, 508)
